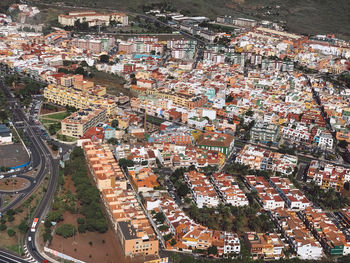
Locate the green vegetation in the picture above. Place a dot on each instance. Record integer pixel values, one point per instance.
(125, 163)
(327, 199)
(66, 230)
(87, 194)
(65, 138)
(11, 232)
(30, 87)
(57, 116)
(177, 178)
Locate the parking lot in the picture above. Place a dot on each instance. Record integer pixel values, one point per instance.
(13, 155)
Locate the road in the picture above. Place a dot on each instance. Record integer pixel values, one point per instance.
(7, 257)
(48, 165)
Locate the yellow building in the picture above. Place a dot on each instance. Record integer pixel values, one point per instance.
(79, 122)
(79, 99)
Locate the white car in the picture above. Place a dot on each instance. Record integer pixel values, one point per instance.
(29, 239)
(1, 176)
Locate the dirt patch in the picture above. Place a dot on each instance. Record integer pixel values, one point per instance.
(9, 184)
(103, 248)
(51, 109)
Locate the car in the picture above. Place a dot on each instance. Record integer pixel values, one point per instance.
(29, 239)
(1, 176)
(14, 176)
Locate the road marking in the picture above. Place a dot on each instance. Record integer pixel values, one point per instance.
(15, 260)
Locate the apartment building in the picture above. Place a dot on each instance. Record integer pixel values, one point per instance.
(93, 18)
(261, 159)
(327, 175)
(190, 235)
(79, 99)
(269, 198)
(264, 132)
(128, 219)
(104, 168)
(135, 240)
(331, 238)
(79, 122)
(267, 246)
(293, 197)
(300, 239)
(228, 190)
(216, 141)
(202, 190)
(144, 180)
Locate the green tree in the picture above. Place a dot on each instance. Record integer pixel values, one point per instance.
(115, 123)
(160, 217)
(213, 250)
(55, 216)
(23, 226)
(81, 228)
(113, 141)
(11, 232)
(126, 163)
(65, 230)
(104, 58)
(81, 220)
(173, 242)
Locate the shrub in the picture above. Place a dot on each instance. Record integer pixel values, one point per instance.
(81, 228)
(81, 221)
(65, 230)
(11, 232)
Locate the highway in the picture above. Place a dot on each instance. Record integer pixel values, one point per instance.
(42, 156)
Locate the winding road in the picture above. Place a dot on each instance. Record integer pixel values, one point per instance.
(41, 158)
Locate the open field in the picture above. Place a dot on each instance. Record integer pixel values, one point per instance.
(56, 116)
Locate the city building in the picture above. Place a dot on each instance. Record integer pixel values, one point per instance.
(77, 124)
(267, 246)
(264, 132)
(93, 18)
(216, 141)
(5, 135)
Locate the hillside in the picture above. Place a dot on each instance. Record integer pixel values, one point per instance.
(301, 16)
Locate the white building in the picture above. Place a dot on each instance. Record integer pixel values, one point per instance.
(5, 135)
(232, 244)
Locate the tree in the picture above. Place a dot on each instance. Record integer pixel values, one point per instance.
(23, 226)
(113, 141)
(213, 250)
(80, 71)
(115, 123)
(168, 237)
(55, 216)
(173, 242)
(65, 230)
(81, 221)
(126, 163)
(11, 232)
(183, 190)
(160, 217)
(81, 228)
(104, 58)
(3, 227)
